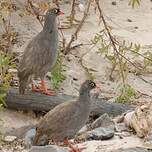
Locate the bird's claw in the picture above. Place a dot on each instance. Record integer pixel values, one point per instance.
(49, 92)
(75, 148)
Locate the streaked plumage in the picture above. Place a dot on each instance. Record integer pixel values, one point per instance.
(41, 52)
(66, 119)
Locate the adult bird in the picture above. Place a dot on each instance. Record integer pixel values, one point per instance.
(66, 119)
(40, 54)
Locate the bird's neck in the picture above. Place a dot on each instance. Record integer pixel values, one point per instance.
(50, 24)
(84, 96)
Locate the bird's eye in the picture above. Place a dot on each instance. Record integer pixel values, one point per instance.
(92, 84)
(56, 11)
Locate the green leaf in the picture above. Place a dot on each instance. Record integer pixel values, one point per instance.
(134, 2)
(126, 93)
(57, 73)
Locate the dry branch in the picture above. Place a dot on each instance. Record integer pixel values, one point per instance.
(34, 11)
(101, 16)
(68, 47)
(72, 15)
(40, 102)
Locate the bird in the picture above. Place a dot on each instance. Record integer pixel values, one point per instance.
(40, 54)
(66, 119)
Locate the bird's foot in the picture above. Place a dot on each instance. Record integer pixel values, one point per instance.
(44, 90)
(49, 92)
(75, 148)
(35, 88)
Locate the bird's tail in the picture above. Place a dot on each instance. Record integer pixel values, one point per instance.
(22, 84)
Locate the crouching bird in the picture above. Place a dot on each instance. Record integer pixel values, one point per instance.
(40, 54)
(66, 119)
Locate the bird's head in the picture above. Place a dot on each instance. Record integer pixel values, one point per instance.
(54, 12)
(88, 85)
(50, 18)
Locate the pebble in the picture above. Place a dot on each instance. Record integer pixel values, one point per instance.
(103, 121)
(100, 134)
(9, 138)
(29, 137)
(129, 20)
(114, 3)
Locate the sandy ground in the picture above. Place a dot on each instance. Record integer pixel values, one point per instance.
(116, 16)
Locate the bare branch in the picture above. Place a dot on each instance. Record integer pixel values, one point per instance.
(72, 15)
(34, 11)
(68, 47)
(111, 39)
(113, 43)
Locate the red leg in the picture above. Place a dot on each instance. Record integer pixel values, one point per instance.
(74, 148)
(45, 90)
(34, 88)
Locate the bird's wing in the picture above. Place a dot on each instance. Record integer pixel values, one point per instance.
(33, 56)
(27, 59)
(61, 114)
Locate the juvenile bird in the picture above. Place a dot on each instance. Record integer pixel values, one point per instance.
(66, 119)
(40, 54)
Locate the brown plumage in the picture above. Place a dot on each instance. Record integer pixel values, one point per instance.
(66, 119)
(40, 54)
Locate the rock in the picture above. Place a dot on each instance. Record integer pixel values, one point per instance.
(9, 138)
(114, 3)
(119, 119)
(29, 137)
(103, 128)
(129, 20)
(48, 148)
(103, 121)
(148, 140)
(136, 149)
(121, 127)
(127, 118)
(149, 137)
(83, 130)
(140, 120)
(100, 134)
(18, 132)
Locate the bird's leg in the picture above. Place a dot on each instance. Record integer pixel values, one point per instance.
(74, 148)
(36, 138)
(34, 88)
(45, 90)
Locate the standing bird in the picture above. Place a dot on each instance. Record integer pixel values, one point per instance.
(40, 54)
(66, 119)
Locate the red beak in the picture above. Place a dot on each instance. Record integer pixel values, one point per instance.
(60, 13)
(98, 87)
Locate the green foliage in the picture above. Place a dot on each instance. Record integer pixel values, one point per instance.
(126, 94)
(5, 76)
(57, 72)
(148, 59)
(134, 2)
(105, 48)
